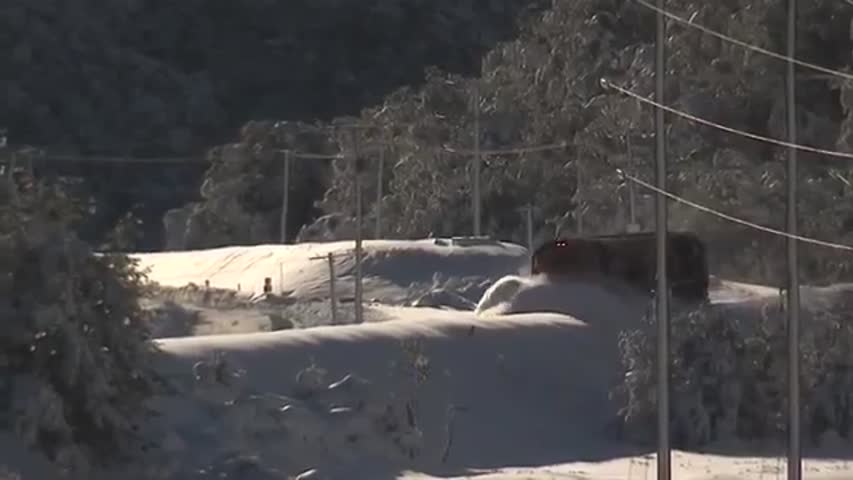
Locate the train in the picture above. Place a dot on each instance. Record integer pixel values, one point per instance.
(631, 259)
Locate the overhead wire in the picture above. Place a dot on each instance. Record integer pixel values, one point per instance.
(558, 146)
(537, 148)
(509, 151)
(297, 154)
(312, 156)
(563, 145)
(115, 159)
(727, 38)
(703, 208)
(834, 153)
(730, 218)
(690, 23)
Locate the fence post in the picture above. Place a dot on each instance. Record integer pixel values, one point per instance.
(285, 197)
(206, 296)
(333, 301)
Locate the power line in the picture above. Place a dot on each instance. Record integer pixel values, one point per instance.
(312, 156)
(119, 159)
(724, 216)
(509, 151)
(459, 151)
(115, 159)
(834, 153)
(741, 43)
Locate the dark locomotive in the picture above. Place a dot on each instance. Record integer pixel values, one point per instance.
(631, 259)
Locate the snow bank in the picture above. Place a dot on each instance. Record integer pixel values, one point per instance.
(595, 303)
(461, 392)
(390, 266)
(518, 389)
(439, 392)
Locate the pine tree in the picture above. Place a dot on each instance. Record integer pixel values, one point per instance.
(74, 351)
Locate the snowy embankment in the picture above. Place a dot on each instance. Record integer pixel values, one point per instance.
(507, 391)
(390, 267)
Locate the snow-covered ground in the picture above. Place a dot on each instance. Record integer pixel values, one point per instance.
(503, 392)
(389, 268)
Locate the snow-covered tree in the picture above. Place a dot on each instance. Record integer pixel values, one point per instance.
(74, 352)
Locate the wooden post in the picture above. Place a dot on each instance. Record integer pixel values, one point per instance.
(581, 205)
(380, 174)
(358, 166)
(285, 197)
(333, 295)
(633, 226)
(333, 300)
(475, 190)
(664, 450)
(205, 297)
(528, 220)
(795, 460)
(10, 177)
(31, 171)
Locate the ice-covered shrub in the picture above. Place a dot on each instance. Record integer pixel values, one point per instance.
(73, 350)
(729, 374)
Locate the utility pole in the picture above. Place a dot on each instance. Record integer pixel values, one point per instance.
(6, 156)
(664, 460)
(477, 162)
(11, 165)
(9, 160)
(358, 167)
(633, 226)
(794, 448)
(528, 210)
(380, 175)
(579, 195)
(333, 297)
(285, 196)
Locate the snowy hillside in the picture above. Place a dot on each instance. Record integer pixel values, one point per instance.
(426, 393)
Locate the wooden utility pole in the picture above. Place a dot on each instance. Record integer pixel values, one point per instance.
(528, 221)
(358, 167)
(579, 195)
(380, 176)
(795, 466)
(333, 297)
(633, 226)
(285, 196)
(477, 164)
(11, 165)
(664, 460)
